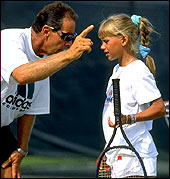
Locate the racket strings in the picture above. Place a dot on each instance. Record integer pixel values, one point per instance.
(104, 170)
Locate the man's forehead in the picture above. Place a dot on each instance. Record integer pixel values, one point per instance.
(68, 25)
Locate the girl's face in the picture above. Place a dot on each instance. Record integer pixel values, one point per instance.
(112, 47)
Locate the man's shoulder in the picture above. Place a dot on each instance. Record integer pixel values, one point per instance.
(13, 32)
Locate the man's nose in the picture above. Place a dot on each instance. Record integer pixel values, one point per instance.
(69, 43)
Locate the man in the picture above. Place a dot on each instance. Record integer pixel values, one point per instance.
(29, 56)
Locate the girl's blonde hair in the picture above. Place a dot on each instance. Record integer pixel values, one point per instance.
(120, 25)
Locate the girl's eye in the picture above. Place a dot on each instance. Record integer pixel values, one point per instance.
(105, 41)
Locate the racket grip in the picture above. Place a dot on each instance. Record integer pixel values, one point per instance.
(116, 98)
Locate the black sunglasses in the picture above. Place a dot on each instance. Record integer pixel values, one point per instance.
(65, 36)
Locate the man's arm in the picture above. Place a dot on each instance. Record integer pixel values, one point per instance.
(41, 69)
(25, 125)
(12, 165)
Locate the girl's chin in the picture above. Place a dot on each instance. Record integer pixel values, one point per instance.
(110, 58)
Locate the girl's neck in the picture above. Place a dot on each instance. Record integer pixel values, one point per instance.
(124, 61)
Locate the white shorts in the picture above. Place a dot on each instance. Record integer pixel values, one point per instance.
(126, 165)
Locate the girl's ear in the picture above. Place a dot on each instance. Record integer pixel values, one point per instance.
(124, 40)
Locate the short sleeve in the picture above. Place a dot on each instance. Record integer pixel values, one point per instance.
(12, 56)
(145, 89)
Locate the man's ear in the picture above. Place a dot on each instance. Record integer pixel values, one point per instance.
(124, 40)
(46, 30)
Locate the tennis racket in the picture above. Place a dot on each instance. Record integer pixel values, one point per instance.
(166, 116)
(124, 157)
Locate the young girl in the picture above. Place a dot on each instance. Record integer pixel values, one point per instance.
(141, 100)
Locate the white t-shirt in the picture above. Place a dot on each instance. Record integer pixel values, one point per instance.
(137, 89)
(17, 100)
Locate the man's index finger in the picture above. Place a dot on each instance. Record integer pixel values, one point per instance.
(86, 31)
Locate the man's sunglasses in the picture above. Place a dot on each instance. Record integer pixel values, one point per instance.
(65, 36)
